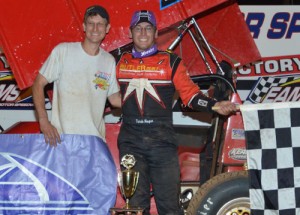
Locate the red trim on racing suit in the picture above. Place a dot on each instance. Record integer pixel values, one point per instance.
(148, 85)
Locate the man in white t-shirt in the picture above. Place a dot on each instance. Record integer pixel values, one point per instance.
(83, 76)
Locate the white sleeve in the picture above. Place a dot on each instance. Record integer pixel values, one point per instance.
(113, 84)
(52, 66)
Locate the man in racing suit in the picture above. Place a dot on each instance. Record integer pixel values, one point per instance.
(148, 79)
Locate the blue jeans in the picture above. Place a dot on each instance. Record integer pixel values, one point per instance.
(155, 150)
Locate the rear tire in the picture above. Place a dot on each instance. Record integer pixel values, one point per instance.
(224, 194)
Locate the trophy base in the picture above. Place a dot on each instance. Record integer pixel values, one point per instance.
(125, 211)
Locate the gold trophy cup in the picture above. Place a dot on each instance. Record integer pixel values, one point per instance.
(128, 178)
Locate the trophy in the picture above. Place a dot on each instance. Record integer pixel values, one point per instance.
(128, 178)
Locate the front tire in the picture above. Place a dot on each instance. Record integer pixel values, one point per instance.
(224, 194)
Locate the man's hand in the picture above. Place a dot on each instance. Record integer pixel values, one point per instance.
(225, 107)
(51, 134)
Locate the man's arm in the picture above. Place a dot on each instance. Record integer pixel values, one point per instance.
(50, 132)
(194, 98)
(115, 100)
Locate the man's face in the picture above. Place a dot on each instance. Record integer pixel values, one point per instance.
(143, 36)
(95, 29)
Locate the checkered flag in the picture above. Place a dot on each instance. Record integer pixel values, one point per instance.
(264, 84)
(273, 154)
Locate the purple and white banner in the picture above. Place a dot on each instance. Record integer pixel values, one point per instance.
(78, 176)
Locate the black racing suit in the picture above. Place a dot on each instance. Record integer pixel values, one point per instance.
(147, 86)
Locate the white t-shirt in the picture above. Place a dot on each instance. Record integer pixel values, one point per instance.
(82, 84)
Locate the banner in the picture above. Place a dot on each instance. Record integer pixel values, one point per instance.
(275, 30)
(76, 177)
(273, 155)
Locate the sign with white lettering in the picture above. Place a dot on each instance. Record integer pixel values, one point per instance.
(78, 176)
